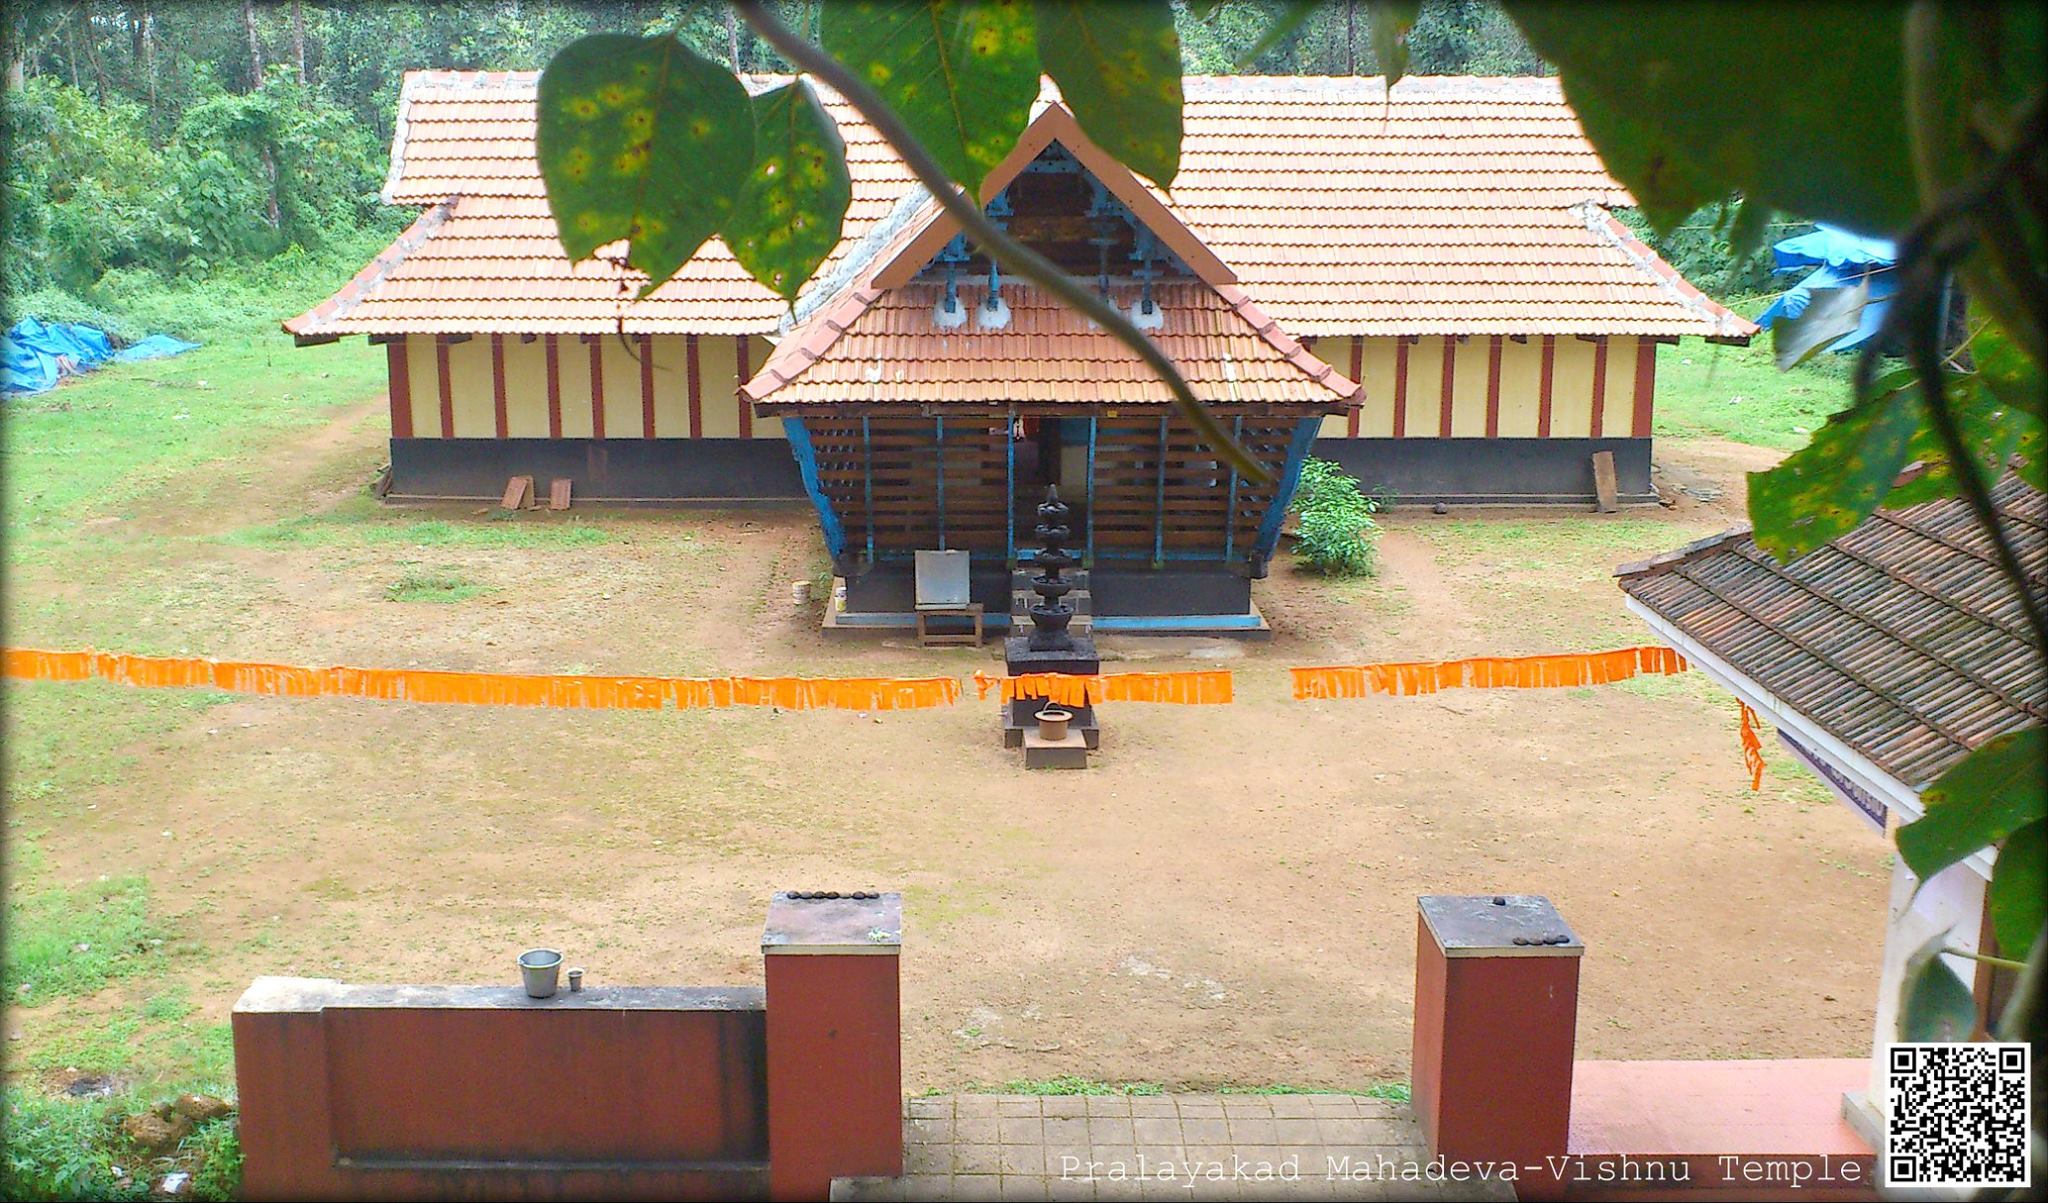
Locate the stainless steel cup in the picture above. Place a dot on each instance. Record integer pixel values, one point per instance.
(540, 968)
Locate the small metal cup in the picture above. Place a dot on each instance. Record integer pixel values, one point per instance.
(539, 968)
(575, 981)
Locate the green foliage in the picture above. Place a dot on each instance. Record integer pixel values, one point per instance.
(69, 942)
(416, 585)
(1118, 68)
(962, 74)
(1067, 1085)
(1987, 796)
(641, 139)
(1819, 134)
(789, 216)
(1935, 1004)
(62, 1149)
(1337, 535)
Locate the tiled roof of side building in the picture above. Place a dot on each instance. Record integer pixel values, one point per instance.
(888, 350)
(1450, 206)
(1900, 638)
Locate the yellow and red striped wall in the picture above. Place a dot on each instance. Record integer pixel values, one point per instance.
(1496, 386)
(582, 386)
(574, 386)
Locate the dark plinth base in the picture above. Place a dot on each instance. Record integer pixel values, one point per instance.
(668, 470)
(1079, 660)
(1471, 471)
(1021, 715)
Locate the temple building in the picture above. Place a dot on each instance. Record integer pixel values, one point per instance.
(1427, 286)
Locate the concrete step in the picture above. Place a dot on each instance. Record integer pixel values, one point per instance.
(1069, 753)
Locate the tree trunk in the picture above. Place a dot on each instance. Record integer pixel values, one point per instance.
(92, 53)
(255, 45)
(17, 75)
(270, 174)
(299, 38)
(732, 37)
(1351, 36)
(148, 28)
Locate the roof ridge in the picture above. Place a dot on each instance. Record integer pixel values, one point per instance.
(302, 327)
(1664, 561)
(1606, 226)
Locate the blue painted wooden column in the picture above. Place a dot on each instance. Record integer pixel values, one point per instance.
(1290, 476)
(799, 438)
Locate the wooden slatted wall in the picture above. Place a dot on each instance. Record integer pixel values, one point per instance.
(901, 485)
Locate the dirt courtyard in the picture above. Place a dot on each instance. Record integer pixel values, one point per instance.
(1227, 897)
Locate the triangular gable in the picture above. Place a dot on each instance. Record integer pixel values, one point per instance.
(1056, 124)
(911, 248)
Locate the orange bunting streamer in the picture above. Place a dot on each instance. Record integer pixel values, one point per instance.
(1752, 748)
(1210, 687)
(1485, 672)
(483, 689)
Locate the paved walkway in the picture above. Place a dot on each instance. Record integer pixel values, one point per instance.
(1177, 1146)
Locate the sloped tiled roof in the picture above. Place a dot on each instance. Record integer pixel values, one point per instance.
(883, 347)
(1457, 205)
(1899, 638)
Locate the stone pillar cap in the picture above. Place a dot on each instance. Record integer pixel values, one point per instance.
(1498, 925)
(834, 923)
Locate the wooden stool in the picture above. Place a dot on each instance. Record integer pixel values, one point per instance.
(926, 637)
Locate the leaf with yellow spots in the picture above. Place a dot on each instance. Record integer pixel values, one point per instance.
(1118, 68)
(645, 141)
(1827, 488)
(789, 216)
(962, 74)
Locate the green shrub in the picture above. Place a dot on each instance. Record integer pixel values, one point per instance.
(63, 1149)
(1337, 535)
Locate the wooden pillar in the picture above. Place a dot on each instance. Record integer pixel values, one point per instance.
(1496, 1013)
(835, 1041)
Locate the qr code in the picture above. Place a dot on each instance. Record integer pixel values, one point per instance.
(1959, 1115)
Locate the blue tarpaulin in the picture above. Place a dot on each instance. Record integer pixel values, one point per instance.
(1836, 259)
(35, 355)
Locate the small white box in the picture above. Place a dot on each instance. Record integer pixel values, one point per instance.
(942, 580)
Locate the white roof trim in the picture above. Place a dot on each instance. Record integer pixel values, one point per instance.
(1852, 764)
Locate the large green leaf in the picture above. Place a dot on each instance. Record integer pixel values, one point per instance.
(961, 73)
(1292, 15)
(1800, 107)
(1991, 430)
(2015, 379)
(1827, 488)
(790, 214)
(2018, 897)
(1118, 68)
(1667, 187)
(2000, 787)
(1391, 22)
(644, 140)
(1934, 1004)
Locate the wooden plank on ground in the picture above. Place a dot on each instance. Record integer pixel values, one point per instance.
(558, 494)
(1606, 499)
(518, 491)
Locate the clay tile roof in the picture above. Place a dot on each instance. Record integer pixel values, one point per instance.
(1899, 638)
(887, 349)
(1452, 206)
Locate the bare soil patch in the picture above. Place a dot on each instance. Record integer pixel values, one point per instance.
(1227, 897)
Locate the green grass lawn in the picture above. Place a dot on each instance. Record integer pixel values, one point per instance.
(1738, 393)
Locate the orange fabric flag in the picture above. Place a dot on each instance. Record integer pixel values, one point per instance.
(1206, 687)
(482, 689)
(1485, 672)
(1752, 748)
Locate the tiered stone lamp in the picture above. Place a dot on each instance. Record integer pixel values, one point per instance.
(1052, 647)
